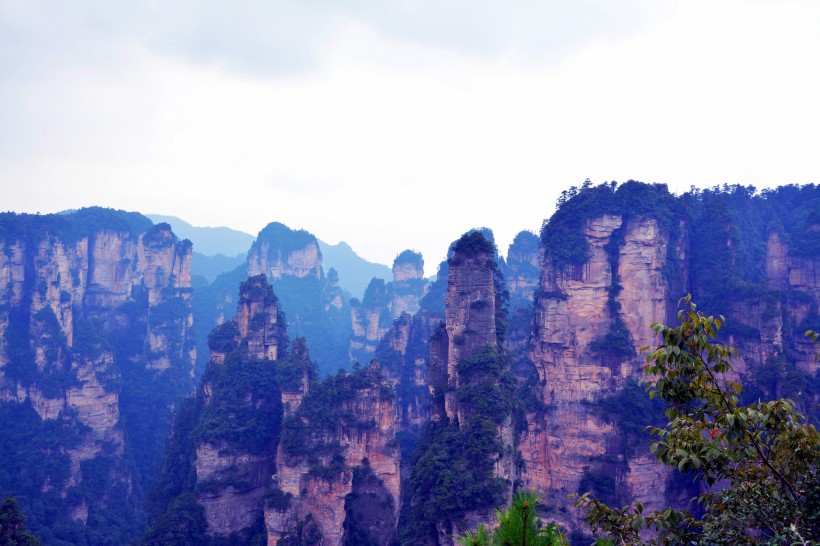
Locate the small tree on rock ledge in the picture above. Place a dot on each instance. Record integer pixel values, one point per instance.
(765, 457)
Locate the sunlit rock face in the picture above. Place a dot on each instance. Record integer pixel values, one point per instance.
(615, 261)
(562, 443)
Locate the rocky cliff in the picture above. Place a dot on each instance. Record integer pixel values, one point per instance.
(583, 349)
(233, 467)
(472, 433)
(338, 466)
(311, 298)
(522, 270)
(385, 302)
(95, 321)
(222, 454)
(613, 262)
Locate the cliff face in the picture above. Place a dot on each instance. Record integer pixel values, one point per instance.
(799, 278)
(470, 315)
(311, 298)
(614, 262)
(91, 304)
(370, 319)
(385, 302)
(576, 369)
(472, 398)
(338, 466)
(522, 270)
(280, 251)
(233, 470)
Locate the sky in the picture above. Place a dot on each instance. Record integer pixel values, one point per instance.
(397, 124)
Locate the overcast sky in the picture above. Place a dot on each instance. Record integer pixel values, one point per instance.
(394, 125)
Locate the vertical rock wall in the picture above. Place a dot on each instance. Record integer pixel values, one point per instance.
(87, 302)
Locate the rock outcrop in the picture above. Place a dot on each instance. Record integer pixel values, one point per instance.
(280, 251)
(233, 471)
(605, 278)
(94, 312)
(337, 460)
(469, 374)
(385, 302)
(311, 298)
(522, 270)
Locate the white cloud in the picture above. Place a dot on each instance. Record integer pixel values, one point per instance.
(390, 136)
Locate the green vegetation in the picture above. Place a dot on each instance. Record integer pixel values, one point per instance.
(562, 235)
(34, 465)
(452, 472)
(69, 228)
(176, 518)
(245, 408)
(323, 411)
(410, 257)
(518, 525)
(283, 240)
(291, 371)
(632, 411)
(12, 526)
(616, 344)
(764, 453)
(470, 245)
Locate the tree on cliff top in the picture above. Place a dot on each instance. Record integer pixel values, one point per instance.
(765, 457)
(519, 525)
(12, 529)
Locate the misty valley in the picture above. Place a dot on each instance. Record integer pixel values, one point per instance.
(162, 384)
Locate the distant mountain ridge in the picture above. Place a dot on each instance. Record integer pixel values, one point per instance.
(209, 241)
(354, 271)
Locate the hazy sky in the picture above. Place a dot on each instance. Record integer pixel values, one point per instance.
(402, 124)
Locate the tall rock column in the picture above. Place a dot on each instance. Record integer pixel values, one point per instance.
(472, 433)
(588, 320)
(238, 432)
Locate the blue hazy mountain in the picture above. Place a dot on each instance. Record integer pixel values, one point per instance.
(208, 241)
(354, 271)
(220, 249)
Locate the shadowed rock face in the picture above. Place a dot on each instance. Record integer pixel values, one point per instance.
(522, 270)
(385, 302)
(95, 306)
(311, 298)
